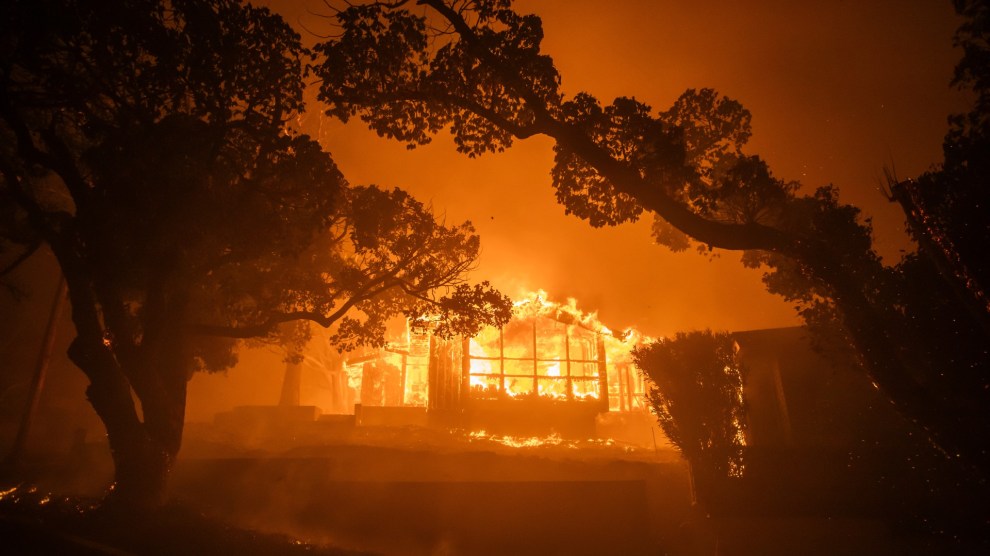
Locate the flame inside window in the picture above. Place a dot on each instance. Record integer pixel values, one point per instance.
(548, 351)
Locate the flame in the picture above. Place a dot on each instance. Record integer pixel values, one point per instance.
(555, 351)
(552, 439)
(548, 350)
(519, 442)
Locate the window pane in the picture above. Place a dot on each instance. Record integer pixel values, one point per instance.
(417, 380)
(524, 367)
(550, 339)
(583, 344)
(485, 344)
(518, 338)
(484, 367)
(484, 388)
(551, 368)
(553, 388)
(584, 369)
(519, 386)
(585, 389)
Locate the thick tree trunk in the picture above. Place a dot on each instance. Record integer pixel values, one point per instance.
(142, 461)
(143, 452)
(141, 471)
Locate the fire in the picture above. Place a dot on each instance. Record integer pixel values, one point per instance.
(482, 378)
(538, 441)
(554, 351)
(548, 351)
(518, 442)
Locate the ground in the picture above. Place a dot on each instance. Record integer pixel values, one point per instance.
(332, 488)
(33, 522)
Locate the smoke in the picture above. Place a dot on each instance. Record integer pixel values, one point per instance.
(426, 492)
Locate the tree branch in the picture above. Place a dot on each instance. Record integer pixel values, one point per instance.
(28, 251)
(38, 217)
(369, 290)
(623, 178)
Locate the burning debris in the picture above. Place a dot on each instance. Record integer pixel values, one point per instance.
(542, 441)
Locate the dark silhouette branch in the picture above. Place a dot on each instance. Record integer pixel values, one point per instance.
(622, 177)
(369, 290)
(31, 249)
(39, 218)
(60, 162)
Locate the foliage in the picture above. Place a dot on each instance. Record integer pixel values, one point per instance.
(486, 79)
(383, 255)
(146, 142)
(477, 67)
(947, 207)
(696, 384)
(942, 287)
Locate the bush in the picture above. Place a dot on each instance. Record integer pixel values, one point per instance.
(695, 389)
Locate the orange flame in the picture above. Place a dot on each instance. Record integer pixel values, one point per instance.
(556, 351)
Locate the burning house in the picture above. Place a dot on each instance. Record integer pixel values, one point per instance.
(551, 368)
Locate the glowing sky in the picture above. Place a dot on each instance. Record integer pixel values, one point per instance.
(838, 89)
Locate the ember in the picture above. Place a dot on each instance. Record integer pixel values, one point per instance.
(540, 441)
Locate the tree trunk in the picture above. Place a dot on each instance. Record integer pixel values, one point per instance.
(291, 384)
(143, 452)
(143, 456)
(141, 472)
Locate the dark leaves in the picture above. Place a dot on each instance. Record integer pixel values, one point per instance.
(696, 393)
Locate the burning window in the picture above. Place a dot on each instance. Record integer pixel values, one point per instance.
(548, 351)
(554, 351)
(536, 357)
(393, 376)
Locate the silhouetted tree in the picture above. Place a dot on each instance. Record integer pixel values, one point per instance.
(947, 208)
(943, 285)
(476, 67)
(695, 389)
(146, 142)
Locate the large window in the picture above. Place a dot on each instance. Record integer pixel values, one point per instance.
(536, 357)
(627, 388)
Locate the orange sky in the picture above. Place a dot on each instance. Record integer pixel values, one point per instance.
(837, 90)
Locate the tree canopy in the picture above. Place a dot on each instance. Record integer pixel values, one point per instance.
(148, 143)
(476, 67)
